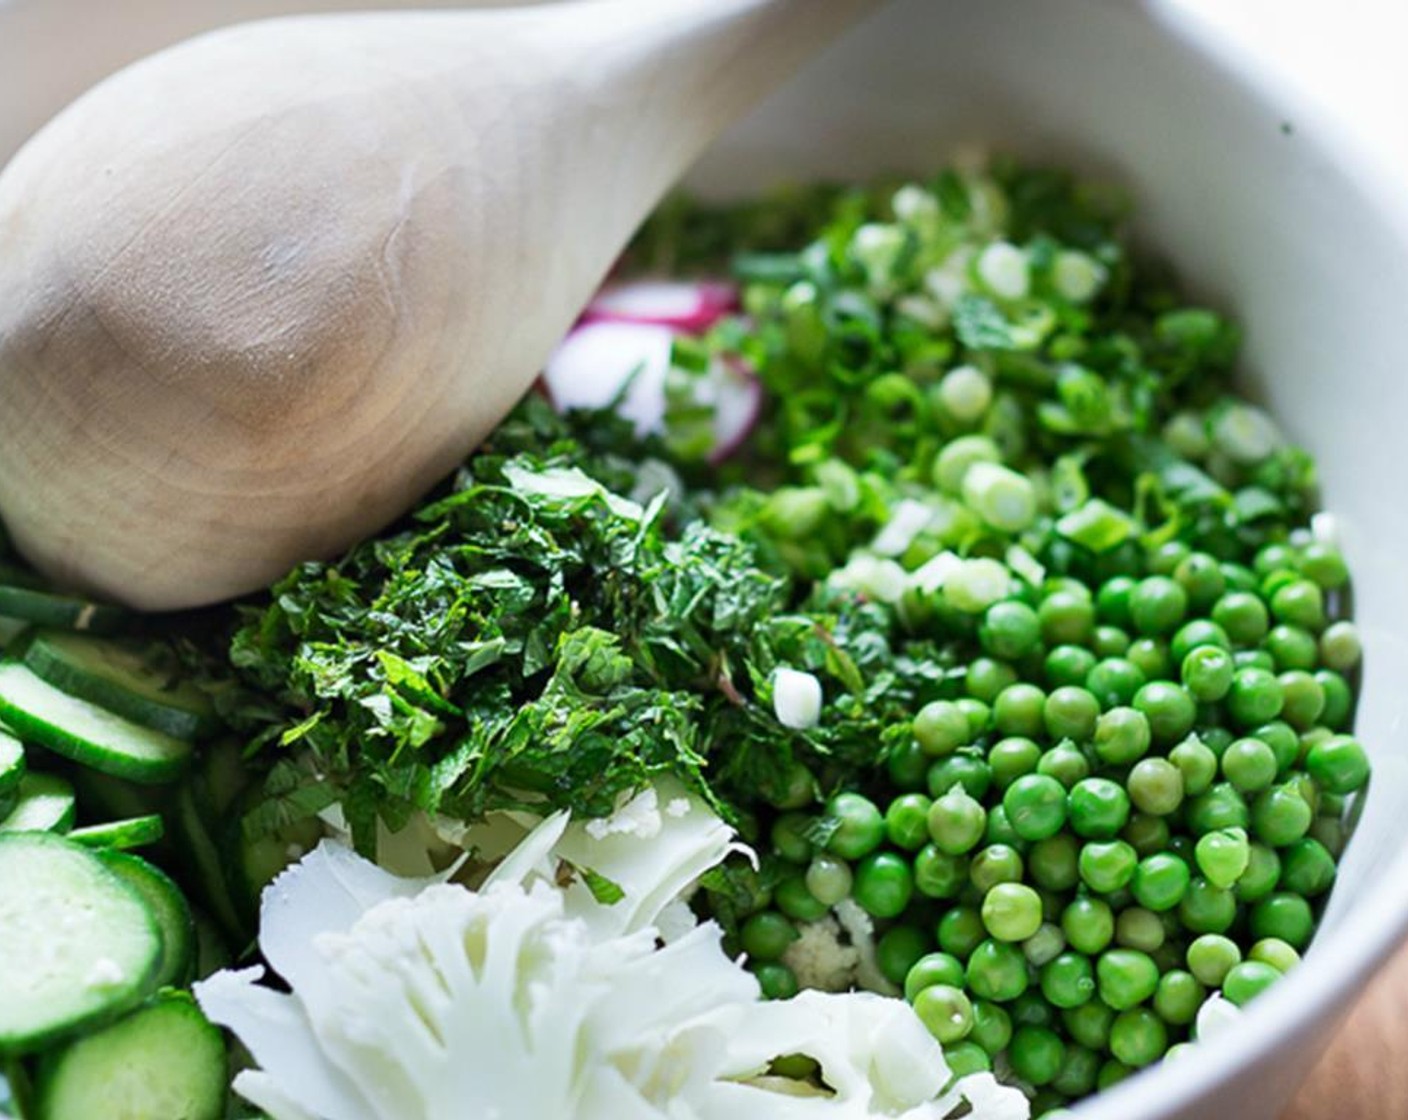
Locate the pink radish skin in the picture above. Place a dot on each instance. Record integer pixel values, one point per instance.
(685, 306)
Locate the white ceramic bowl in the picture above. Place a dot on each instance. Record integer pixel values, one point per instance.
(1267, 210)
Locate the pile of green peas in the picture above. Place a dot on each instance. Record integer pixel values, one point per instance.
(1135, 800)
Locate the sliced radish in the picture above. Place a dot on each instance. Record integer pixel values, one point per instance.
(686, 306)
(594, 362)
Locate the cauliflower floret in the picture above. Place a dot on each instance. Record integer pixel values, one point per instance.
(821, 959)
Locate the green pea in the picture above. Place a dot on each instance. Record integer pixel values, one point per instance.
(1178, 997)
(1157, 605)
(1300, 603)
(1035, 806)
(828, 879)
(907, 764)
(1249, 765)
(1107, 866)
(1048, 942)
(861, 826)
(956, 822)
(1165, 558)
(931, 969)
(1114, 681)
(1201, 579)
(1275, 952)
(1053, 863)
(1151, 656)
(969, 770)
(1223, 856)
(1011, 911)
(1338, 764)
(1339, 647)
(1283, 741)
(941, 728)
(961, 931)
(997, 970)
(1248, 980)
(997, 863)
(1097, 808)
(1019, 710)
(884, 884)
(1068, 665)
(938, 874)
(1125, 978)
(1000, 830)
(1156, 786)
(1303, 698)
(1307, 868)
(1036, 1054)
(1254, 659)
(1065, 762)
(1147, 835)
(1323, 564)
(1262, 876)
(1112, 601)
(945, 1011)
(898, 950)
(776, 980)
(1292, 647)
(1211, 957)
(1280, 815)
(1207, 909)
(1068, 980)
(978, 715)
(1221, 807)
(992, 1027)
(987, 678)
(1067, 618)
(1169, 709)
(1077, 1076)
(789, 837)
(1138, 1037)
(1287, 917)
(1160, 881)
(1137, 928)
(766, 935)
(966, 1058)
(1207, 673)
(1123, 735)
(1089, 1024)
(1109, 642)
(1255, 697)
(907, 821)
(1339, 699)
(1239, 577)
(1070, 713)
(1197, 763)
(1089, 925)
(1243, 617)
(1012, 757)
(1030, 1009)
(798, 903)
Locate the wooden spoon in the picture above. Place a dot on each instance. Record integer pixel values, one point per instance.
(260, 291)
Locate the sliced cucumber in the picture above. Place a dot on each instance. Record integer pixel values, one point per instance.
(122, 679)
(63, 611)
(134, 832)
(80, 945)
(165, 1061)
(168, 906)
(36, 710)
(46, 804)
(12, 771)
(11, 630)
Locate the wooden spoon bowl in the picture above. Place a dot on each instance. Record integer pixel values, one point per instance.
(260, 291)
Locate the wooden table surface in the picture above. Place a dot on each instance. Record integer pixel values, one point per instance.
(1364, 1074)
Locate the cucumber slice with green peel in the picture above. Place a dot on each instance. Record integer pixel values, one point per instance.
(87, 733)
(165, 1061)
(168, 906)
(80, 945)
(46, 804)
(11, 629)
(48, 609)
(123, 679)
(135, 832)
(12, 768)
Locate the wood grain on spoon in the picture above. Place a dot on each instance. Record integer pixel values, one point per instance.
(259, 291)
